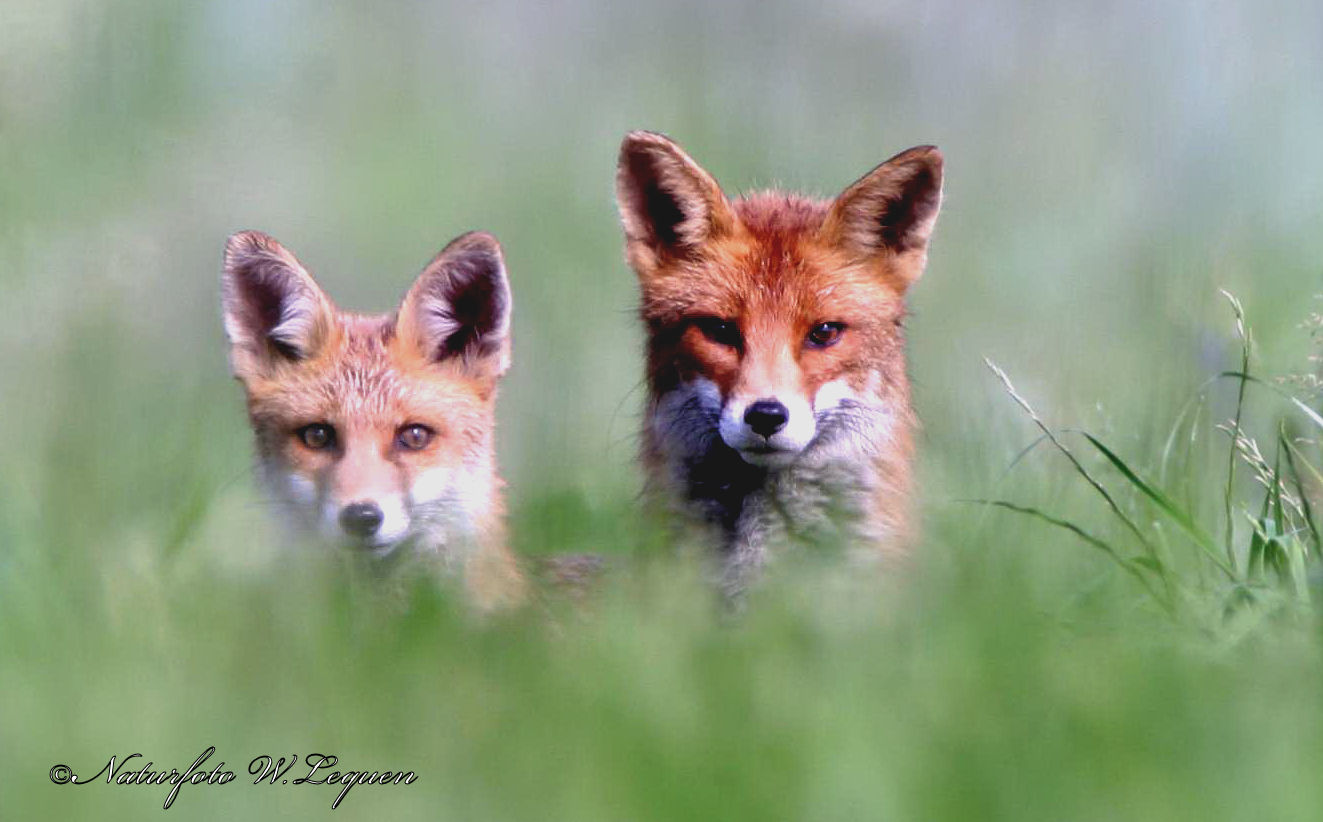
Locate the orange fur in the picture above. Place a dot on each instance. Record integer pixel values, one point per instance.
(366, 378)
(770, 268)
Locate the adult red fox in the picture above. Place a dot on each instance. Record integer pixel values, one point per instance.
(778, 399)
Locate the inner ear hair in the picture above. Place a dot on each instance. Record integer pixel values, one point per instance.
(666, 200)
(891, 208)
(460, 304)
(272, 306)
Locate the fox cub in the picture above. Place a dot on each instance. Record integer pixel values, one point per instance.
(778, 401)
(376, 431)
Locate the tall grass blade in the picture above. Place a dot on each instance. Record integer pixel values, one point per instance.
(1079, 468)
(1165, 504)
(1194, 404)
(1235, 426)
(1310, 413)
(1024, 452)
(1305, 507)
(1131, 566)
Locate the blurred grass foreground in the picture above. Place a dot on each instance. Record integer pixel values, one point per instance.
(1130, 633)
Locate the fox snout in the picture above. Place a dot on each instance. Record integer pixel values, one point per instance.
(767, 430)
(766, 417)
(376, 524)
(361, 519)
(376, 521)
(365, 492)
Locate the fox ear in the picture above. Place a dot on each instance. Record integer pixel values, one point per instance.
(668, 203)
(273, 309)
(890, 209)
(460, 306)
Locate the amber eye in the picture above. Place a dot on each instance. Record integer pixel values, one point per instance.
(414, 437)
(722, 332)
(825, 334)
(317, 436)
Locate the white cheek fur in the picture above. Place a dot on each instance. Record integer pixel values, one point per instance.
(321, 515)
(870, 421)
(680, 419)
(302, 491)
(456, 502)
(831, 394)
(430, 486)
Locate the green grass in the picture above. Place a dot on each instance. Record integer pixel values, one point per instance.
(1181, 565)
(1116, 621)
(1009, 673)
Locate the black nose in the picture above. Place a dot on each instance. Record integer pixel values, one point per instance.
(360, 519)
(766, 417)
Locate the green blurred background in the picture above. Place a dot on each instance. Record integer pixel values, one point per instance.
(1110, 166)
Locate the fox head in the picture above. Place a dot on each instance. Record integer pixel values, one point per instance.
(374, 429)
(772, 318)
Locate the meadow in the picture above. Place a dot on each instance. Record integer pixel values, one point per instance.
(1114, 612)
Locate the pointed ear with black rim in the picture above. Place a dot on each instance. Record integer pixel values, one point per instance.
(459, 307)
(891, 209)
(274, 311)
(668, 204)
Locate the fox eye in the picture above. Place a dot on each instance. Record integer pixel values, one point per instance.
(722, 332)
(823, 335)
(414, 437)
(317, 436)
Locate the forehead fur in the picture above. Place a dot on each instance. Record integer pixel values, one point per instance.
(774, 264)
(772, 213)
(366, 376)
